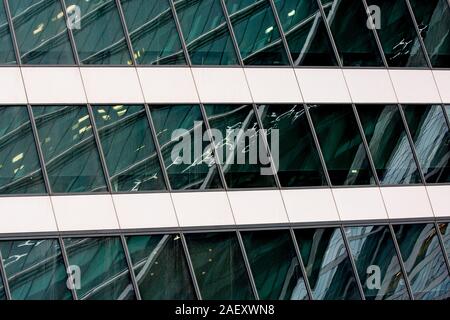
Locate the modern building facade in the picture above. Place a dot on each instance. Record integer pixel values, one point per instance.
(225, 149)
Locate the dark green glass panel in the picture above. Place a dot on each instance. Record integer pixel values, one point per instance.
(275, 266)
(306, 33)
(7, 55)
(70, 153)
(398, 35)
(299, 162)
(341, 144)
(327, 264)
(100, 38)
(377, 263)
(41, 32)
(153, 32)
(239, 146)
(20, 170)
(431, 138)
(219, 266)
(447, 110)
(160, 267)
(206, 33)
(445, 231)
(104, 273)
(2, 290)
(129, 150)
(424, 261)
(389, 144)
(186, 150)
(355, 42)
(257, 33)
(433, 19)
(35, 270)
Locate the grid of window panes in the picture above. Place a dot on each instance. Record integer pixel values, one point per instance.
(342, 262)
(375, 33)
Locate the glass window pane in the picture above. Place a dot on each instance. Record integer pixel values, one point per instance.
(7, 55)
(100, 38)
(206, 32)
(256, 32)
(431, 138)
(389, 144)
(433, 18)
(160, 267)
(2, 290)
(69, 149)
(299, 163)
(375, 257)
(35, 270)
(153, 32)
(327, 264)
(20, 170)
(424, 261)
(103, 268)
(238, 146)
(188, 157)
(445, 231)
(128, 146)
(355, 42)
(341, 144)
(275, 266)
(41, 32)
(219, 266)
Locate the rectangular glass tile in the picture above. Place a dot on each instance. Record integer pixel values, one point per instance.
(445, 231)
(275, 265)
(129, 149)
(103, 269)
(160, 267)
(70, 152)
(35, 270)
(219, 266)
(7, 55)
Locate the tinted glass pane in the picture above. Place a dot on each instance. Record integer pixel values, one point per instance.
(153, 32)
(355, 42)
(389, 144)
(160, 267)
(239, 145)
(377, 263)
(219, 266)
(7, 55)
(20, 170)
(188, 157)
(327, 264)
(433, 18)
(445, 231)
(431, 137)
(35, 270)
(41, 32)
(103, 268)
(2, 290)
(341, 144)
(424, 261)
(128, 146)
(206, 32)
(69, 149)
(299, 163)
(275, 265)
(100, 38)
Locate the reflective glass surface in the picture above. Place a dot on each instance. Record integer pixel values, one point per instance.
(445, 231)
(2, 290)
(7, 55)
(128, 146)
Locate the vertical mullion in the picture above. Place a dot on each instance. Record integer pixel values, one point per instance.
(446, 116)
(12, 32)
(247, 265)
(180, 32)
(282, 35)
(302, 266)
(5, 279)
(71, 36)
(191, 267)
(66, 263)
(125, 31)
(130, 267)
(442, 245)
(232, 35)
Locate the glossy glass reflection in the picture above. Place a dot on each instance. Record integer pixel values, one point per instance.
(299, 163)
(376, 258)
(431, 137)
(219, 266)
(275, 266)
(128, 146)
(424, 261)
(389, 145)
(327, 264)
(7, 55)
(444, 228)
(69, 149)
(35, 270)
(103, 267)
(160, 267)
(20, 170)
(342, 145)
(153, 32)
(2, 290)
